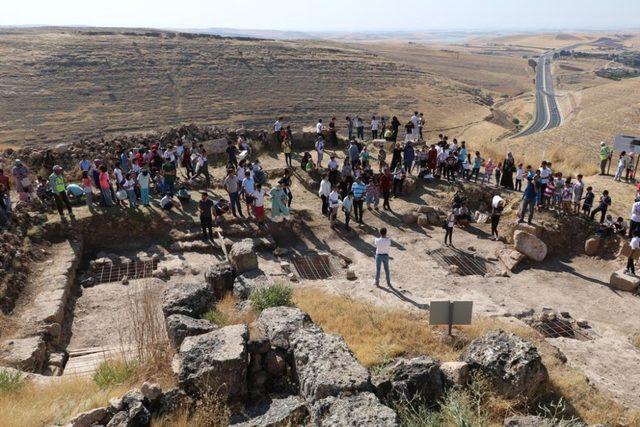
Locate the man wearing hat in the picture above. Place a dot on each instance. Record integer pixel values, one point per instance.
(205, 206)
(605, 156)
(59, 189)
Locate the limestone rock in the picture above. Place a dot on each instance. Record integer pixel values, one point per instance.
(408, 378)
(361, 410)
(27, 354)
(423, 220)
(275, 412)
(455, 374)
(180, 326)
(410, 218)
(247, 282)
(351, 274)
(277, 324)
(191, 299)
(220, 278)
(121, 419)
(275, 363)
(593, 246)
(325, 366)
(530, 245)
(512, 364)
(214, 361)
(533, 229)
(151, 391)
(243, 256)
(173, 400)
(510, 258)
(90, 418)
(623, 281)
(424, 209)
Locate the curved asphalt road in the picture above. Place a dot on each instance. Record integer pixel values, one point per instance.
(547, 112)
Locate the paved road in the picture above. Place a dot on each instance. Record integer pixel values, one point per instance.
(547, 112)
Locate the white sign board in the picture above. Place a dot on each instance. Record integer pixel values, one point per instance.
(626, 143)
(448, 312)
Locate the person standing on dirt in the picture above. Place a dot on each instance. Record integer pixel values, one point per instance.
(333, 136)
(232, 185)
(634, 222)
(287, 148)
(385, 188)
(383, 245)
(319, 128)
(59, 190)
(320, 149)
(232, 153)
(324, 192)
(508, 168)
(349, 127)
(374, 127)
(603, 206)
(497, 206)
(545, 173)
(421, 123)
(359, 127)
(396, 156)
(635, 248)
(205, 207)
(605, 156)
(277, 131)
(20, 174)
(357, 189)
(529, 196)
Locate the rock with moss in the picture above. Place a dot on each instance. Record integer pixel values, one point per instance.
(360, 410)
(408, 379)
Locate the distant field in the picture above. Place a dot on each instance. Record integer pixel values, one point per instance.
(58, 85)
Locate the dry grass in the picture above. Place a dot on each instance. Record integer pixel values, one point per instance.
(376, 335)
(226, 313)
(54, 403)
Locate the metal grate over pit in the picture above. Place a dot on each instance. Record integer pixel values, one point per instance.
(467, 263)
(313, 267)
(115, 272)
(559, 328)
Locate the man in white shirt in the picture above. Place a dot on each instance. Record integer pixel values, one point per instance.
(320, 149)
(545, 173)
(415, 119)
(635, 218)
(333, 170)
(383, 245)
(334, 204)
(319, 128)
(374, 128)
(277, 128)
(324, 192)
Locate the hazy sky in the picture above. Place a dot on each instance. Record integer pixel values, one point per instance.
(329, 15)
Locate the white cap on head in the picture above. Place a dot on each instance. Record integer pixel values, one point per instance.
(603, 143)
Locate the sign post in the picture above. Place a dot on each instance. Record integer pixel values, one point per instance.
(450, 313)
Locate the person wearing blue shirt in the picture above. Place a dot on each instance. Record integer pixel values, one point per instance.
(85, 165)
(358, 188)
(529, 196)
(462, 154)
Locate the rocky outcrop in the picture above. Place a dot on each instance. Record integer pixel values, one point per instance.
(190, 299)
(325, 366)
(180, 326)
(406, 379)
(27, 354)
(455, 374)
(513, 365)
(214, 362)
(530, 245)
(275, 412)
(363, 409)
(243, 256)
(277, 324)
(247, 282)
(220, 278)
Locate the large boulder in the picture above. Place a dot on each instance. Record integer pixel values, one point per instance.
(190, 299)
(247, 282)
(215, 361)
(363, 409)
(512, 364)
(180, 326)
(220, 278)
(408, 378)
(27, 354)
(510, 258)
(593, 246)
(279, 323)
(410, 218)
(530, 245)
(96, 416)
(275, 412)
(325, 366)
(534, 229)
(243, 257)
(623, 281)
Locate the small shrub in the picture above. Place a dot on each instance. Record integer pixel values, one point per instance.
(216, 317)
(516, 121)
(114, 372)
(10, 381)
(273, 296)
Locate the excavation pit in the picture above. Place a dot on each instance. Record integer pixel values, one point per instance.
(313, 267)
(461, 262)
